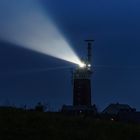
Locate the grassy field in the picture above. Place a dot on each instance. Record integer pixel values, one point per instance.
(25, 125)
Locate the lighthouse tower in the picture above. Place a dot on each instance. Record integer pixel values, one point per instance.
(81, 77)
(82, 80)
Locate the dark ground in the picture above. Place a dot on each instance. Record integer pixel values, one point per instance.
(30, 125)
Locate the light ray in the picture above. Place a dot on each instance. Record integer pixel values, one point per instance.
(25, 23)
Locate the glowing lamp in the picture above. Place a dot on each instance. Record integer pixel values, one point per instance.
(89, 65)
(82, 65)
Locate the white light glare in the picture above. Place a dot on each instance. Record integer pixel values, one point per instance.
(89, 65)
(26, 24)
(82, 65)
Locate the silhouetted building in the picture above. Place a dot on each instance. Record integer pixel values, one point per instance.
(82, 81)
(39, 107)
(114, 109)
(82, 87)
(78, 110)
(81, 78)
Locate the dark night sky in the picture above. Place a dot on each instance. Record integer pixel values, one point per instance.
(115, 27)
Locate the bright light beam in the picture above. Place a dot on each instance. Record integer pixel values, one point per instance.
(24, 23)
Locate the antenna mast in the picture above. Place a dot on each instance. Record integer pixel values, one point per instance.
(89, 50)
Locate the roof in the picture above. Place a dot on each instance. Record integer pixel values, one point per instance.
(116, 108)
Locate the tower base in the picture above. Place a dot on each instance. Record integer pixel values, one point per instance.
(79, 110)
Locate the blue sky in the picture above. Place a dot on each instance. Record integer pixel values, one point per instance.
(114, 25)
